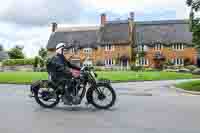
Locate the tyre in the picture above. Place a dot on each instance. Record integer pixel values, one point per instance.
(103, 100)
(46, 97)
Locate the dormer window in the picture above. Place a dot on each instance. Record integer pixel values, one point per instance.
(142, 48)
(87, 50)
(178, 46)
(158, 46)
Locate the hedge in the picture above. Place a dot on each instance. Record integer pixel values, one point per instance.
(13, 62)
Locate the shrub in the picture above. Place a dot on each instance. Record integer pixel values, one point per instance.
(184, 70)
(98, 68)
(196, 71)
(36, 61)
(170, 70)
(174, 67)
(99, 63)
(187, 62)
(150, 69)
(191, 67)
(13, 62)
(167, 64)
(136, 68)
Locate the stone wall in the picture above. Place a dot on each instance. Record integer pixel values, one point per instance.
(16, 68)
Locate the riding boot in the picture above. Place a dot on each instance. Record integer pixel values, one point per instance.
(67, 97)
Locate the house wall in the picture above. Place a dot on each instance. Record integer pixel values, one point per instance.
(118, 51)
(187, 53)
(99, 54)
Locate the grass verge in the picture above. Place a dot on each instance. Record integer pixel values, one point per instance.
(190, 86)
(29, 77)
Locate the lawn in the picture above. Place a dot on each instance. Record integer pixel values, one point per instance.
(190, 86)
(28, 77)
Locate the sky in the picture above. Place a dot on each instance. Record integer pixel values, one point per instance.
(27, 22)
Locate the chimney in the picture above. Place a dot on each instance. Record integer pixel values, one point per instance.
(103, 18)
(54, 26)
(132, 16)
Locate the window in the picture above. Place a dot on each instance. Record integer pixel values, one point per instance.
(141, 48)
(73, 50)
(178, 46)
(178, 61)
(109, 47)
(143, 61)
(109, 62)
(158, 46)
(87, 50)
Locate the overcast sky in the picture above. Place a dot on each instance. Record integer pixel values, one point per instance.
(27, 22)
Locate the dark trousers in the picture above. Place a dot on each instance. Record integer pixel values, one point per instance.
(64, 84)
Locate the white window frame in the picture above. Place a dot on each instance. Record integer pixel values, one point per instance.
(178, 61)
(109, 62)
(87, 50)
(158, 46)
(109, 47)
(178, 46)
(142, 61)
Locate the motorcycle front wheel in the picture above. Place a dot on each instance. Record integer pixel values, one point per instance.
(102, 97)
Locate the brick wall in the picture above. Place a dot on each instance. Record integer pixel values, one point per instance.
(187, 53)
(100, 54)
(118, 51)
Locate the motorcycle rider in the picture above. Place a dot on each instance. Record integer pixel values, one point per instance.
(59, 67)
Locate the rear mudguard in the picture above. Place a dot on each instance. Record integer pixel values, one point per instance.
(36, 85)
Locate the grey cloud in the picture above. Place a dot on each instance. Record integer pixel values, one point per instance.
(41, 12)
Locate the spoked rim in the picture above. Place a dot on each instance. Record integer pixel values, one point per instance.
(47, 96)
(104, 98)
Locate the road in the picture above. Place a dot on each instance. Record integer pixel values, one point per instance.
(164, 111)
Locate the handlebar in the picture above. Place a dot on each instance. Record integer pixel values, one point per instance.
(86, 68)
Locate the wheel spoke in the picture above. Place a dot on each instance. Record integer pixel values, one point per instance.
(49, 99)
(105, 92)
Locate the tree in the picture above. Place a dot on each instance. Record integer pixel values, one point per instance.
(194, 4)
(195, 22)
(16, 53)
(1, 47)
(43, 53)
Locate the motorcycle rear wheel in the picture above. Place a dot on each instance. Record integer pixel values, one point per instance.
(41, 99)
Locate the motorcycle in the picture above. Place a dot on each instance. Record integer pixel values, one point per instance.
(99, 93)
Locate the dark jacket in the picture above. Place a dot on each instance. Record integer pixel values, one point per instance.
(59, 67)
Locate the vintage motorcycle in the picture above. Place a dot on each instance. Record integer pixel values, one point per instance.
(99, 93)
